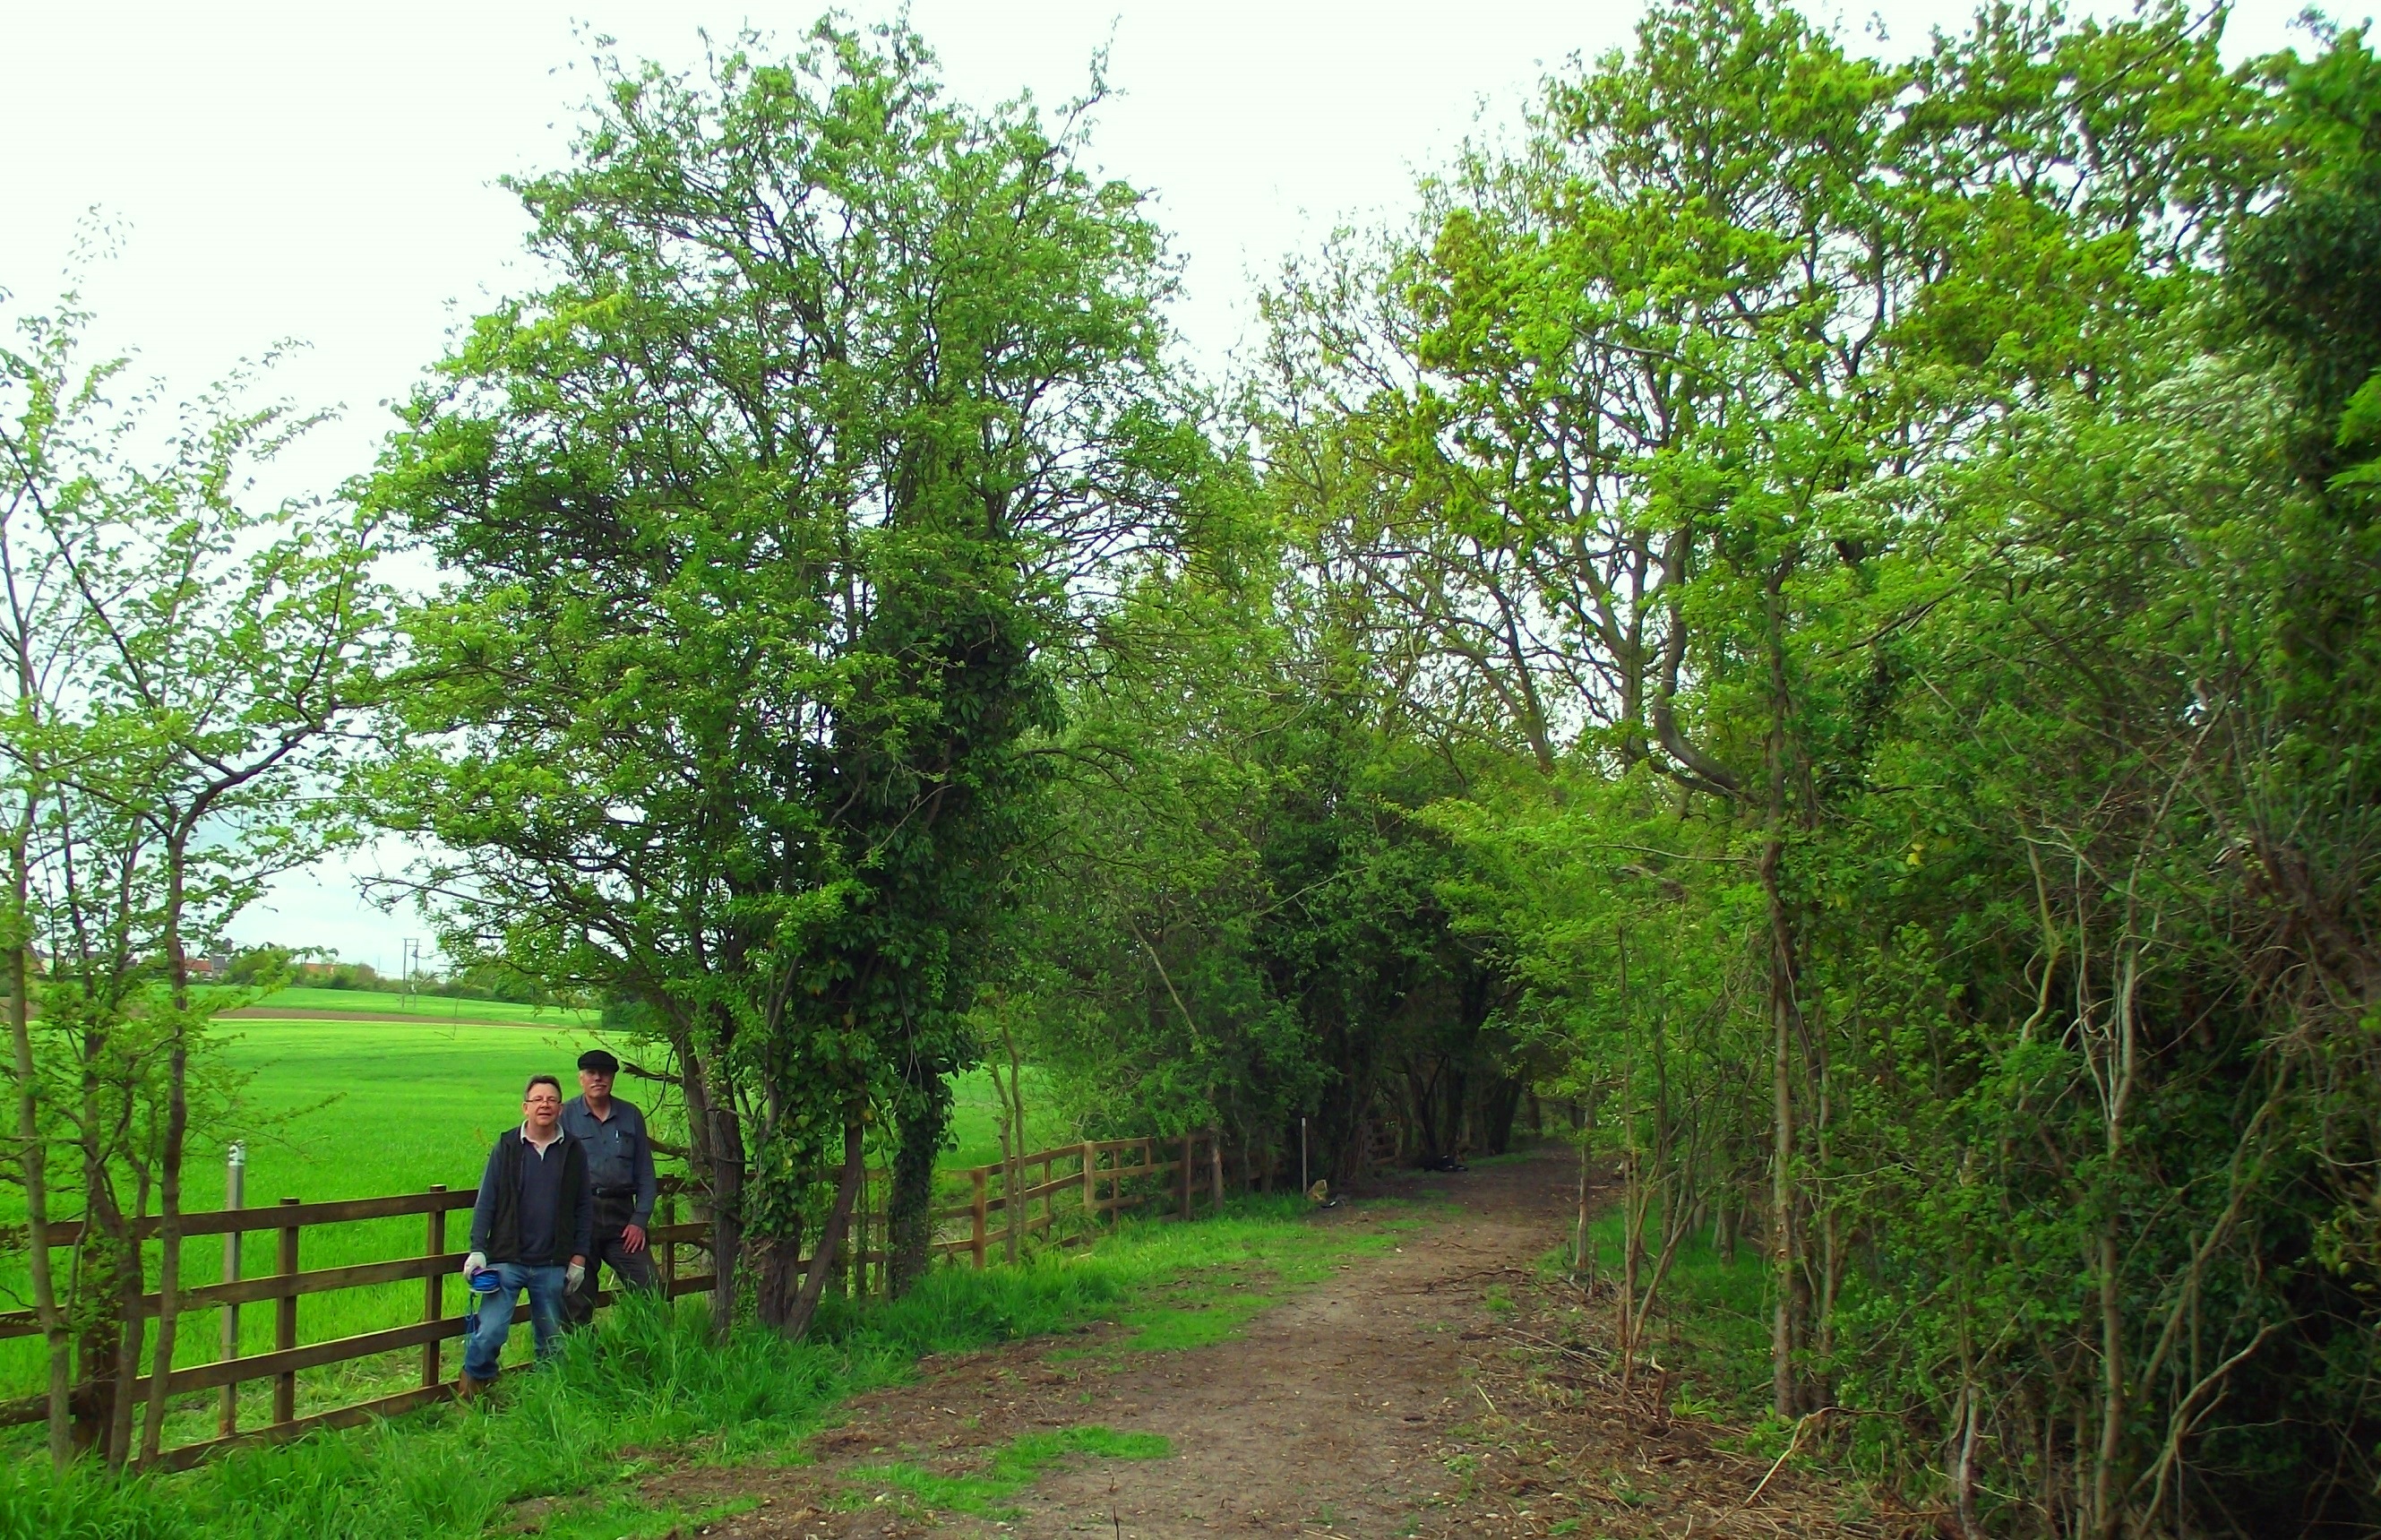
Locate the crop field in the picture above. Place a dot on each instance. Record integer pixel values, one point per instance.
(331, 1109)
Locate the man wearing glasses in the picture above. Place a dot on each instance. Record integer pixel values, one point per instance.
(532, 1227)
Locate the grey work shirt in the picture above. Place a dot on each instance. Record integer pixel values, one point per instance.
(619, 1154)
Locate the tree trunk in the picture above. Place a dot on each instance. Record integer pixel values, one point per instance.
(33, 1158)
(100, 1333)
(779, 1259)
(177, 1124)
(129, 1338)
(1786, 1260)
(1785, 1257)
(910, 1209)
(846, 1190)
(717, 1151)
(2107, 1500)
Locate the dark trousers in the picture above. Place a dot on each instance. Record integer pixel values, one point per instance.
(630, 1269)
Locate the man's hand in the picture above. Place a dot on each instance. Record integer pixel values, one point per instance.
(572, 1274)
(632, 1238)
(474, 1264)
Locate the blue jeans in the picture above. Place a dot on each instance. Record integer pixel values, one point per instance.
(494, 1320)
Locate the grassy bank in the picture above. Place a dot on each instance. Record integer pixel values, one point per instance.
(648, 1388)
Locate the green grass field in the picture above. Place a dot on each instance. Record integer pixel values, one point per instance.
(335, 1109)
(433, 1007)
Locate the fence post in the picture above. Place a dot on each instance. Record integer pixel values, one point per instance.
(855, 1244)
(1091, 1183)
(1215, 1165)
(1012, 1179)
(285, 1325)
(433, 1286)
(669, 1247)
(977, 1239)
(235, 1194)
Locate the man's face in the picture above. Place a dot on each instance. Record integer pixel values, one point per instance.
(541, 1108)
(595, 1084)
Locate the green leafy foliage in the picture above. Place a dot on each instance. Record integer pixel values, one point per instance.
(765, 515)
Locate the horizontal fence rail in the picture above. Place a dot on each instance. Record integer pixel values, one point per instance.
(1056, 1196)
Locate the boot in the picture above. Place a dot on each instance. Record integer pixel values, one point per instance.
(468, 1390)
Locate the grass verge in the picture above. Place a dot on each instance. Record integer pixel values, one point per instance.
(650, 1388)
(1013, 1467)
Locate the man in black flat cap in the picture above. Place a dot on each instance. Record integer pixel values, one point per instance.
(620, 1168)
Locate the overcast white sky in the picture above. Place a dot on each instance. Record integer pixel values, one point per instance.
(326, 173)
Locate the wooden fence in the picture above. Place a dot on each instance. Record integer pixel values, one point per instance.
(1096, 1180)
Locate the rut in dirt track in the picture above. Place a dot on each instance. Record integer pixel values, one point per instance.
(1388, 1400)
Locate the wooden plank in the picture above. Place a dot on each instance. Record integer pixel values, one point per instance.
(1056, 1153)
(434, 1288)
(321, 1280)
(283, 1364)
(664, 1245)
(227, 1221)
(344, 1417)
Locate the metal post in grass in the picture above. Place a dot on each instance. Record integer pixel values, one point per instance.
(285, 1325)
(433, 1283)
(235, 1193)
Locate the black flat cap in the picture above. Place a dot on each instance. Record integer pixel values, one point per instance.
(599, 1061)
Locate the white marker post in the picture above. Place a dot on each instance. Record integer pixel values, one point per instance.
(234, 1191)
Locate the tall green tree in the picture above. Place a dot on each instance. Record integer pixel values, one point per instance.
(1872, 455)
(185, 671)
(764, 515)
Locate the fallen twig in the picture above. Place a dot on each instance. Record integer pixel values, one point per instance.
(1800, 1427)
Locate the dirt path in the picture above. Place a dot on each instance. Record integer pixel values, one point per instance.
(1396, 1398)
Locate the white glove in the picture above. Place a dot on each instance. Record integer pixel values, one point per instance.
(571, 1275)
(475, 1264)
